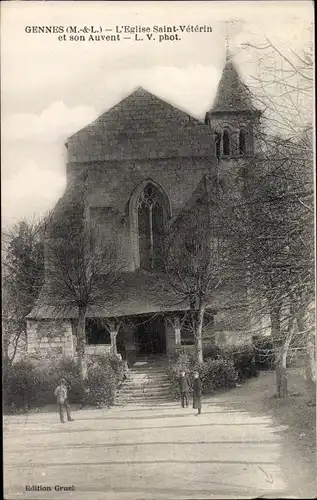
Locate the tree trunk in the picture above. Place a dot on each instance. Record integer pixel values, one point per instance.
(81, 343)
(113, 335)
(281, 374)
(5, 347)
(199, 334)
(279, 352)
(15, 348)
(288, 340)
(310, 367)
(309, 341)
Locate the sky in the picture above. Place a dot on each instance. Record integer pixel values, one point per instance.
(51, 88)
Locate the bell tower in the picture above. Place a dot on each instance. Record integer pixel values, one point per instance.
(233, 117)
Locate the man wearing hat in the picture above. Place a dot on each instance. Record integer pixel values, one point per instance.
(61, 395)
(197, 393)
(184, 388)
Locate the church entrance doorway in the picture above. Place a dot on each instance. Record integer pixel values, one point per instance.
(150, 335)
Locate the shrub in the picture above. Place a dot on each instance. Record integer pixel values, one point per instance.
(50, 371)
(69, 370)
(28, 385)
(211, 351)
(264, 353)
(102, 381)
(20, 382)
(183, 356)
(118, 368)
(217, 374)
(243, 358)
(180, 361)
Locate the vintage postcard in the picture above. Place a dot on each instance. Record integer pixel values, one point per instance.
(158, 284)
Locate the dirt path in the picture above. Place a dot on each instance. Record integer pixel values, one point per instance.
(237, 448)
(293, 420)
(143, 453)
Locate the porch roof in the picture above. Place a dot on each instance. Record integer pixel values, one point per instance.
(138, 292)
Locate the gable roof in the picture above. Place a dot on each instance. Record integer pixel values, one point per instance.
(232, 94)
(141, 126)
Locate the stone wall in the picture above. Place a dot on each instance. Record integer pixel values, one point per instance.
(45, 337)
(141, 138)
(110, 186)
(98, 350)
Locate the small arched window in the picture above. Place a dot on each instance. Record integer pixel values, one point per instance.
(226, 143)
(242, 142)
(218, 144)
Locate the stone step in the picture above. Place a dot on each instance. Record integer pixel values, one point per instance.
(154, 385)
(132, 387)
(145, 387)
(148, 373)
(142, 396)
(150, 366)
(151, 362)
(153, 373)
(153, 366)
(144, 381)
(149, 377)
(143, 393)
(144, 401)
(137, 381)
(147, 383)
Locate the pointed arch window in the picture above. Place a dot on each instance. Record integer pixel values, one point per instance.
(151, 218)
(242, 142)
(226, 143)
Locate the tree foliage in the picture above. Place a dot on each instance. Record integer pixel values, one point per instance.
(23, 277)
(81, 273)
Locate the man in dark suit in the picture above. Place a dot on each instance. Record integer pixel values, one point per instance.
(197, 393)
(183, 387)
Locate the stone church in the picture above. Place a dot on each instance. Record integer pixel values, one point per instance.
(131, 173)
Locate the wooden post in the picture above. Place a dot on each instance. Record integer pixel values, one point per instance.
(113, 336)
(177, 330)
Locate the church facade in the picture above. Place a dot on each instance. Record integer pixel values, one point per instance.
(132, 173)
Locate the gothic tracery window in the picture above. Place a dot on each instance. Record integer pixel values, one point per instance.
(150, 206)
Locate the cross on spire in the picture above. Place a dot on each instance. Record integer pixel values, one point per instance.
(227, 38)
(227, 42)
